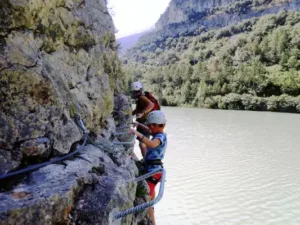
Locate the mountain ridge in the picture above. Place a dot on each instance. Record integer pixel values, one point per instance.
(244, 55)
(128, 41)
(215, 16)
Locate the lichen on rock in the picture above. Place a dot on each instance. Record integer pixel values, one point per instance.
(52, 60)
(59, 59)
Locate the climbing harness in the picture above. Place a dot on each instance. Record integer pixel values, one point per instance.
(153, 180)
(150, 203)
(154, 162)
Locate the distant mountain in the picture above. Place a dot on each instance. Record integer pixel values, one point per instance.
(226, 54)
(128, 41)
(192, 17)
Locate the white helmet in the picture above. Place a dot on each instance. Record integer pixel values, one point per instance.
(136, 86)
(157, 117)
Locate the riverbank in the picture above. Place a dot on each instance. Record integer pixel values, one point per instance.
(282, 103)
(232, 101)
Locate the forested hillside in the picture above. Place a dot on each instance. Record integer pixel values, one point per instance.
(252, 65)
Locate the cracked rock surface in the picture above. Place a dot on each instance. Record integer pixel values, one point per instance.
(88, 188)
(58, 60)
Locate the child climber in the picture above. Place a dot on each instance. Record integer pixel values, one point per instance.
(156, 148)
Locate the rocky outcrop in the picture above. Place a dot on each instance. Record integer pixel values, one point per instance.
(89, 188)
(180, 10)
(58, 59)
(84, 190)
(190, 18)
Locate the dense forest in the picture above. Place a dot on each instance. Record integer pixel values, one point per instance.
(253, 65)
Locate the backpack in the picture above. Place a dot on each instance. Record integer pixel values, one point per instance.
(152, 99)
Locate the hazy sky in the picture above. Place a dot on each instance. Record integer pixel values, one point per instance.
(134, 16)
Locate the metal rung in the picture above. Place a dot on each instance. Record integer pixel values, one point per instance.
(121, 133)
(147, 204)
(126, 126)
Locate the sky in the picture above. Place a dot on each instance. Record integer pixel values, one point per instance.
(135, 16)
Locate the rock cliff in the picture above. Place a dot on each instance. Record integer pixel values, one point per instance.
(53, 62)
(58, 58)
(191, 17)
(180, 10)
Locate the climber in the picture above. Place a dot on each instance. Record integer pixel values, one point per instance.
(155, 149)
(143, 107)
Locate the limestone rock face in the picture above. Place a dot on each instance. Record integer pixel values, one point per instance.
(88, 188)
(36, 147)
(9, 160)
(58, 60)
(184, 17)
(179, 10)
(57, 57)
(84, 190)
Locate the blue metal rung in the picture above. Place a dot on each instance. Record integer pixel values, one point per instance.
(121, 132)
(147, 204)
